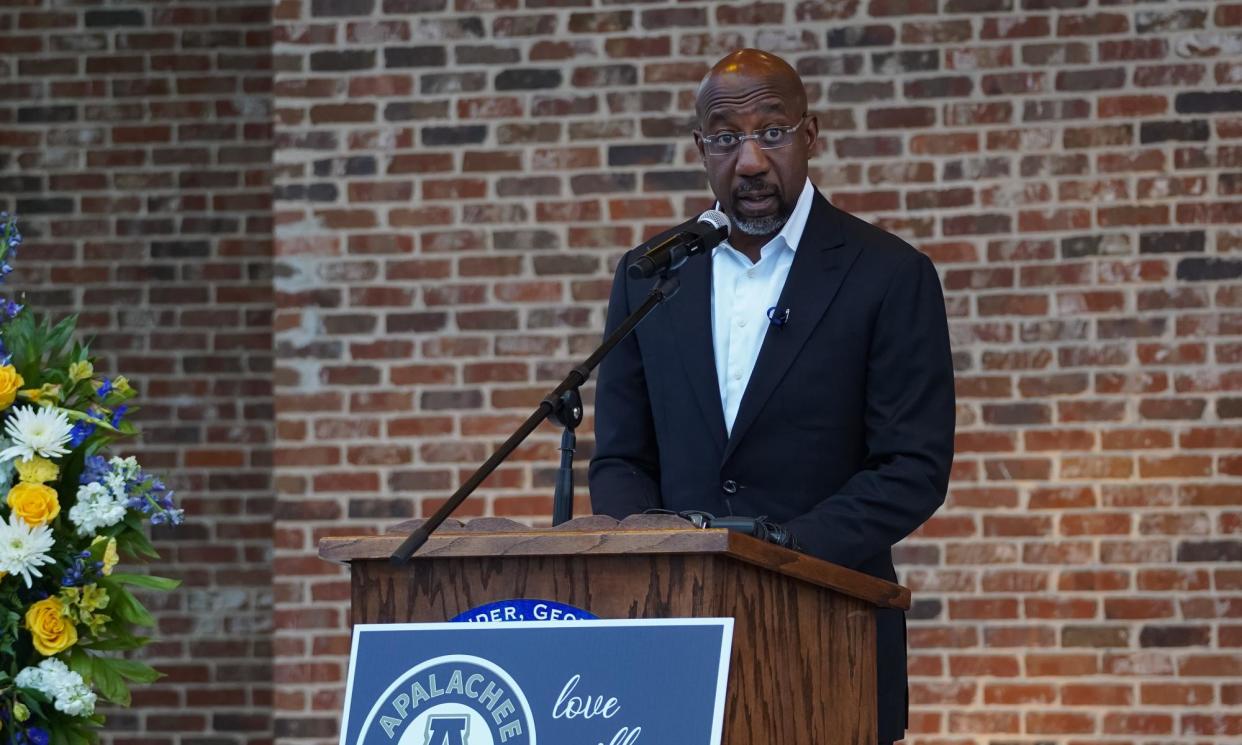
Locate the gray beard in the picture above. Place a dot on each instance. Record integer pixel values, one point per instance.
(760, 225)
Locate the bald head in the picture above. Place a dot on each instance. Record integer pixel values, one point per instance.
(748, 71)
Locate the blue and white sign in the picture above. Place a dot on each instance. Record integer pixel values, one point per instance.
(523, 609)
(615, 682)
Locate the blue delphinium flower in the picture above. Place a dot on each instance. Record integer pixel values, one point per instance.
(95, 470)
(8, 226)
(80, 432)
(28, 736)
(83, 571)
(104, 389)
(143, 492)
(118, 415)
(10, 239)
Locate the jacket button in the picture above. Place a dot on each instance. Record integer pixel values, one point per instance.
(730, 487)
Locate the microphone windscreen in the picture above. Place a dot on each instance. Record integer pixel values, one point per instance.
(716, 219)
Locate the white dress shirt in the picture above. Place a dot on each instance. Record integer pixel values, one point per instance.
(742, 293)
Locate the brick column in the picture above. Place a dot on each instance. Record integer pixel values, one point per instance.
(135, 144)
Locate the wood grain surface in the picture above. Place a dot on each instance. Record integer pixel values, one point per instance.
(600, 535)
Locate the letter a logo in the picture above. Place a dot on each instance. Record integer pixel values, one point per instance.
(447, 730)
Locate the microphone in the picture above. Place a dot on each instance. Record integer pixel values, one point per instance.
(688, 239)
(759, 527)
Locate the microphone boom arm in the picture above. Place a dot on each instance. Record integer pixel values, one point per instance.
(664, 289)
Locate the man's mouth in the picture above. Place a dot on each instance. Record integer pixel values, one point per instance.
(756, 203)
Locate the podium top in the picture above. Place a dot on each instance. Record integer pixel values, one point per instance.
(600, 535)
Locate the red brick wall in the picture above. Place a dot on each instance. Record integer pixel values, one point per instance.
(456, 179)
(135, 144)
(454, 182)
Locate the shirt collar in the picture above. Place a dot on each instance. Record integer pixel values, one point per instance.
(796, 224)
(791, 233)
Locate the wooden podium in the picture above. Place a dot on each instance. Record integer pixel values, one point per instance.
(803, 664)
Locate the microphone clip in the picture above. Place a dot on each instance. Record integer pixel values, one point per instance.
(778, 317)
(666, 252)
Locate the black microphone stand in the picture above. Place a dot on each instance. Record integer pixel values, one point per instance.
(569, 414)
(665, 288)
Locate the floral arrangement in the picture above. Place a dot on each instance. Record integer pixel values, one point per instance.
(70, 514)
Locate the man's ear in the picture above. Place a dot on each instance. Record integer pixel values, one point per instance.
(812, 134)
(698, 143)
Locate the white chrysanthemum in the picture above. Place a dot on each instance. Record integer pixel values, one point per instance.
(37, 430)
(24, 548)
(97, 507)
(66, 688)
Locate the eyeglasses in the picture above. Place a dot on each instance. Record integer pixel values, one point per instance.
(769, 138)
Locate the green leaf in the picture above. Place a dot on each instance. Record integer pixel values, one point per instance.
(135, 543)
(34, 701)
(126, 607)
(58, 337)
(108, 680)
(146, 580)
(76, 731)
(117, 644)
(135, 671)
(94, 445)
(32, 375)
(80, 662)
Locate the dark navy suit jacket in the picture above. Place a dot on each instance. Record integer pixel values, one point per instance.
(845, 431)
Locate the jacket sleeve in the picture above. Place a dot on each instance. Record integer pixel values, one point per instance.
(908, 424)
(624, 475)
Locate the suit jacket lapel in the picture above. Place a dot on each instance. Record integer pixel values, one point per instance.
(692, 307)
(819, 266)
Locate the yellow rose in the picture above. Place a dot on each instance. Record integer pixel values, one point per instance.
(37, 470)
(10, 382)
(52, 632)
(81, 370)
(35, 503)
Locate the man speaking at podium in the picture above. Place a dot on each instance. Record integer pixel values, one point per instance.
(802, 372)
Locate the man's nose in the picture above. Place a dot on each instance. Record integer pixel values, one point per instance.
(752, 160)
